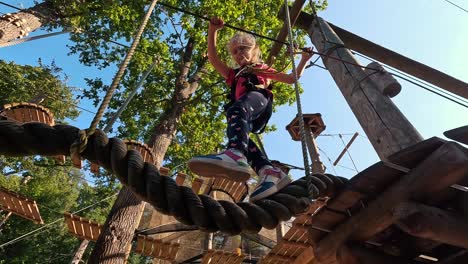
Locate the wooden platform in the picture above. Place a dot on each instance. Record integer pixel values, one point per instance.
(156, 248)
(27, 112)
(359, 213)
(222, 257)
(236, 190)
(20, 205)
(83, 228)
(295, 241)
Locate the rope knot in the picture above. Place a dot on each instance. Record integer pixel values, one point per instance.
(79, 146)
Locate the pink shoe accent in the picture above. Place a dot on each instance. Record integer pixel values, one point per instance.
(274, 172)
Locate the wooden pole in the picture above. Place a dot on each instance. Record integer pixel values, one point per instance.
(77, 257)
(317, 164)
(294, 12)
(392, 58)
(386, 127)
(345, 148)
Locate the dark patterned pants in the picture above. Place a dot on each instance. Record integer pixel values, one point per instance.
(240, 117)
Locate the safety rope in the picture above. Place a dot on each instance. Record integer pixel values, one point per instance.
(130, 96)
(298, 98)
(23, 40)
(79, 146)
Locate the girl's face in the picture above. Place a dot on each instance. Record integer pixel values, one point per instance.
(243, 55)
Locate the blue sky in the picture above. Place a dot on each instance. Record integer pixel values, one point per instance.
(432, 32)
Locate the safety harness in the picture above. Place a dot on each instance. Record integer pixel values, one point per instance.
(252, 84)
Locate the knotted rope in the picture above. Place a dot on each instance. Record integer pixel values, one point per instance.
(162, 192)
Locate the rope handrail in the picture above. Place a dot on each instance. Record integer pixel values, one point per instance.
(162, 192)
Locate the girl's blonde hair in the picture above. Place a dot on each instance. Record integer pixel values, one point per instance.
(245, 39)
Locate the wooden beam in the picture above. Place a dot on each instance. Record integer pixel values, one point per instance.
(307, 256)
(368, 256)
(449, 160)
(260, 239)
(294, 12)
(167, 228)
(432, 223)
(458, 134)
(386, 127)
(392, 58)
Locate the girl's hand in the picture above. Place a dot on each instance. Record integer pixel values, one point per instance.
(216, 23)
(307, 53)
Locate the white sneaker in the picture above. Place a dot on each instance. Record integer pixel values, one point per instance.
(231, 164)
(272, 180)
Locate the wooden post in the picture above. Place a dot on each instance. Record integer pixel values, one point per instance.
(317, 164)
(392, 58)
(386, 127)
(279, 232)
(386, 83)
(77, 257)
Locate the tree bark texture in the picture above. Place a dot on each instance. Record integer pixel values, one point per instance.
(386, 127)
(114, 244)
(432, 223)
(79, 252)
(18, 25)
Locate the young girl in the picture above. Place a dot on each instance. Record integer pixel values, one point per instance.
(249, 111)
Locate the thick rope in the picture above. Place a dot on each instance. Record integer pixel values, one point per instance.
(80, 145)
(298, 97)
(162, 192)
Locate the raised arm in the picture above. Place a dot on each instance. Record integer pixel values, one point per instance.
(289, 78)
(216, 24)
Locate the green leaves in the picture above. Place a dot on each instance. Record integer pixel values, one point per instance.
(22, 83)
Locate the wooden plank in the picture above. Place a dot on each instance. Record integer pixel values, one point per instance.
(17, 115)
(20, 205)
(35, 116)
(173, 251)
(80, 229)
(180, 179)
(165, 250)
(432, 223)
(140, 244)
(95, 231)
(196, 185)
(164, 171)
(69, 222)
(207, 257)
(306, 257)
(148, 247)
(34, 209)
(448, 160)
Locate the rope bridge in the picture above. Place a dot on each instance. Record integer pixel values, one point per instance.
(163, 193)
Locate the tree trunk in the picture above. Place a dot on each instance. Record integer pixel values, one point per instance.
(114, 243)
(18, 25)
(7, 216)
(79, 252)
